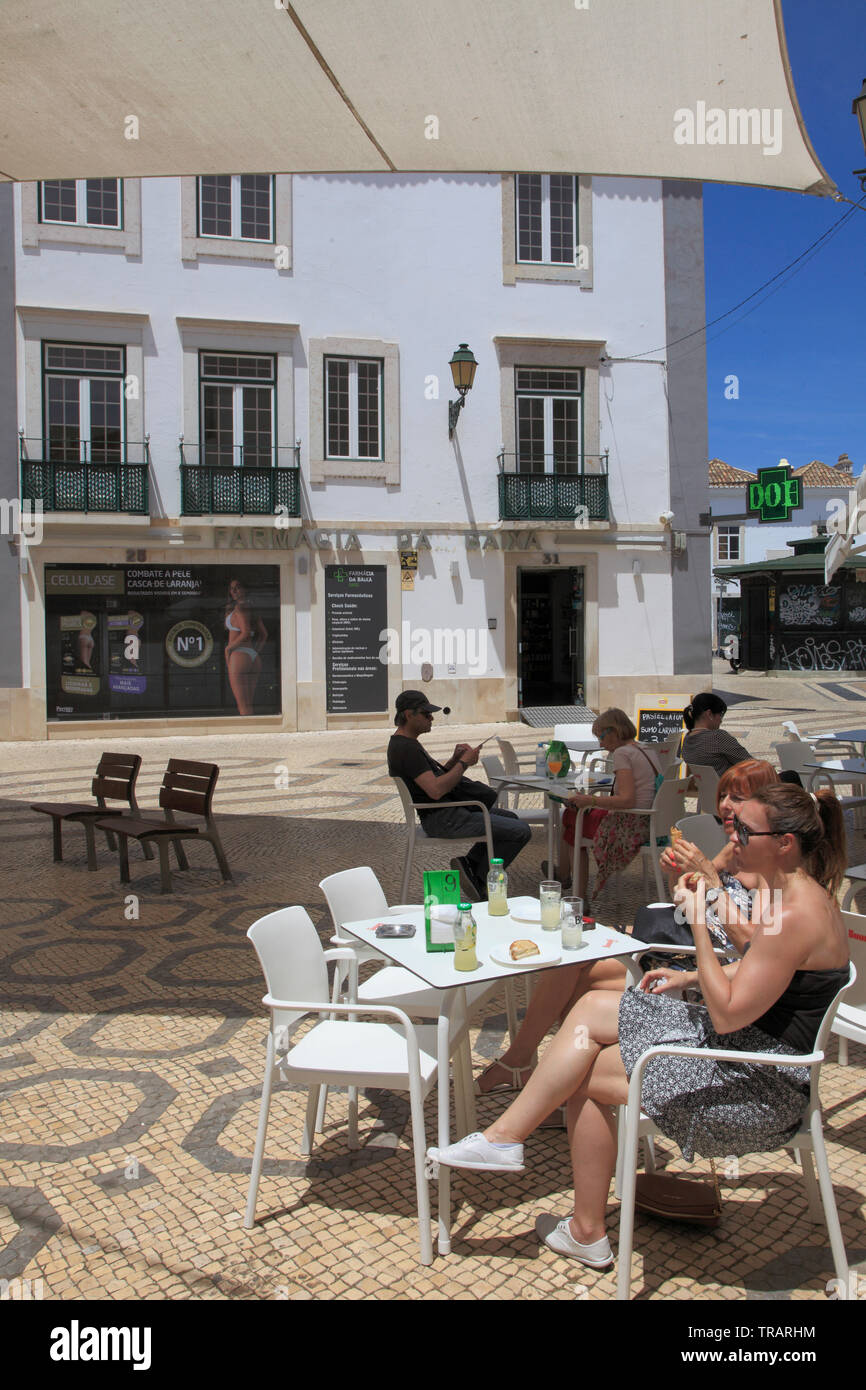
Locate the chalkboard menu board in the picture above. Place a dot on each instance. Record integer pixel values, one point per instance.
(658, 725)
(356, 615)
(728, 619)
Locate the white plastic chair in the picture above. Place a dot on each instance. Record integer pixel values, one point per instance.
(706, 779)
(415, 831)
(794, 757)
(392, 1054)
(667, 752)
(704, 831)
(578, 739)
(808, 1139)
(510, 760)
(842, 748)
(850, 1020)
(355, 894)
(827, 777)
(857, 875)
(665, 811)
(510, 796)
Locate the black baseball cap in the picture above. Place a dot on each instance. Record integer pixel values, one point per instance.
(415, 700)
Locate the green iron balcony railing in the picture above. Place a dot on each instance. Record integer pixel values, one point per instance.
(527, 492)
(68, 474)
(238, 482)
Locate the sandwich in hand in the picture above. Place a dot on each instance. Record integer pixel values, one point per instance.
(520, 950)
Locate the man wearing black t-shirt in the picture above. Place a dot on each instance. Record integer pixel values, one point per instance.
(438, 783)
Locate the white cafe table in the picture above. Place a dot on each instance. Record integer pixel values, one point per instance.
(436, 968)
(556, 791)
(840, 736)
(842, 771)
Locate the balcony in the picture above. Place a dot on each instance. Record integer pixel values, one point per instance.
(85, 476)
(235, 486)
(558, 495)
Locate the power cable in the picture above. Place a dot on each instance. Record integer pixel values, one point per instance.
(810, 250)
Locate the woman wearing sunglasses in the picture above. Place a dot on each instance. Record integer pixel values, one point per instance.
(772, 1000)
(557, 991)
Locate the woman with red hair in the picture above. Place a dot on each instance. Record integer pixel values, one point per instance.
(557, 991)
(772, 1000)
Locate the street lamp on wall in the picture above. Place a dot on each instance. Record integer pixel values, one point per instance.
(858, 109)
(463, 367)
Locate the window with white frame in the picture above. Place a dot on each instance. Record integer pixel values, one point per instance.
(353, 408)
(548, 419)
(238, 207)
(547, 228)
(83, 402)
(546, 218)
(237, 402)
(82, 202)
(729, 542)
(83, 212)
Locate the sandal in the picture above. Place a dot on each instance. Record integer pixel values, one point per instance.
(514, 1082)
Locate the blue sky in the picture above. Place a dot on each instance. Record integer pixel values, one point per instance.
(800, 358)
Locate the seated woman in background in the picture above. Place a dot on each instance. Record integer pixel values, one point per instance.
(616, 838)
(706, 743)
(772, 1000)
(557, 991)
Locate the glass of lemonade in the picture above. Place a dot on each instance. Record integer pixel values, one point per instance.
(550, 897)
(572, 923)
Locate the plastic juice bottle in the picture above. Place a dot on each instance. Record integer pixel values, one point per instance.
(465, 933)
(497, 889)
(541, 761)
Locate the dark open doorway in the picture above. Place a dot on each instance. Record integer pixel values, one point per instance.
(550, 627)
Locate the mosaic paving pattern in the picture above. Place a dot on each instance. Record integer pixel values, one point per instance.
(132, 1046)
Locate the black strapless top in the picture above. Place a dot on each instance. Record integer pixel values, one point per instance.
(796, 1015)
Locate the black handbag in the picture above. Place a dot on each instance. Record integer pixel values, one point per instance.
(660, 926)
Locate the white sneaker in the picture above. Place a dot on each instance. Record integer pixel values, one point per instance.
(477, 1152)
(557, 1236)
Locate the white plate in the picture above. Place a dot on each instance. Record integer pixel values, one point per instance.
(525, 910)
(501, 954)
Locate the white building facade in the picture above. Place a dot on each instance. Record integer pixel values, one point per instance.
(232, 406)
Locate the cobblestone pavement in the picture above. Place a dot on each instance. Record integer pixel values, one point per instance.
(131, 1054)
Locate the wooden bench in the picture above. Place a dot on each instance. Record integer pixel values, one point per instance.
(187, 787)
(115, 780)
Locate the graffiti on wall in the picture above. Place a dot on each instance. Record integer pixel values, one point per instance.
(832, 654)
(810, 605)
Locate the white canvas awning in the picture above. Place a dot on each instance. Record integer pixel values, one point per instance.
(692, 89)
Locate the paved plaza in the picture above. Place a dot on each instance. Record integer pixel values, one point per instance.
(132, 1047)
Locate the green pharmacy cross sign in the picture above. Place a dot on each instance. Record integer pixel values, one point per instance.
(775, 495)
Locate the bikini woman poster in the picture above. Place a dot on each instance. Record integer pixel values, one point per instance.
(174, 641)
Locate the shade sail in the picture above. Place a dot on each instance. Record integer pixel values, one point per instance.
(692, 89)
